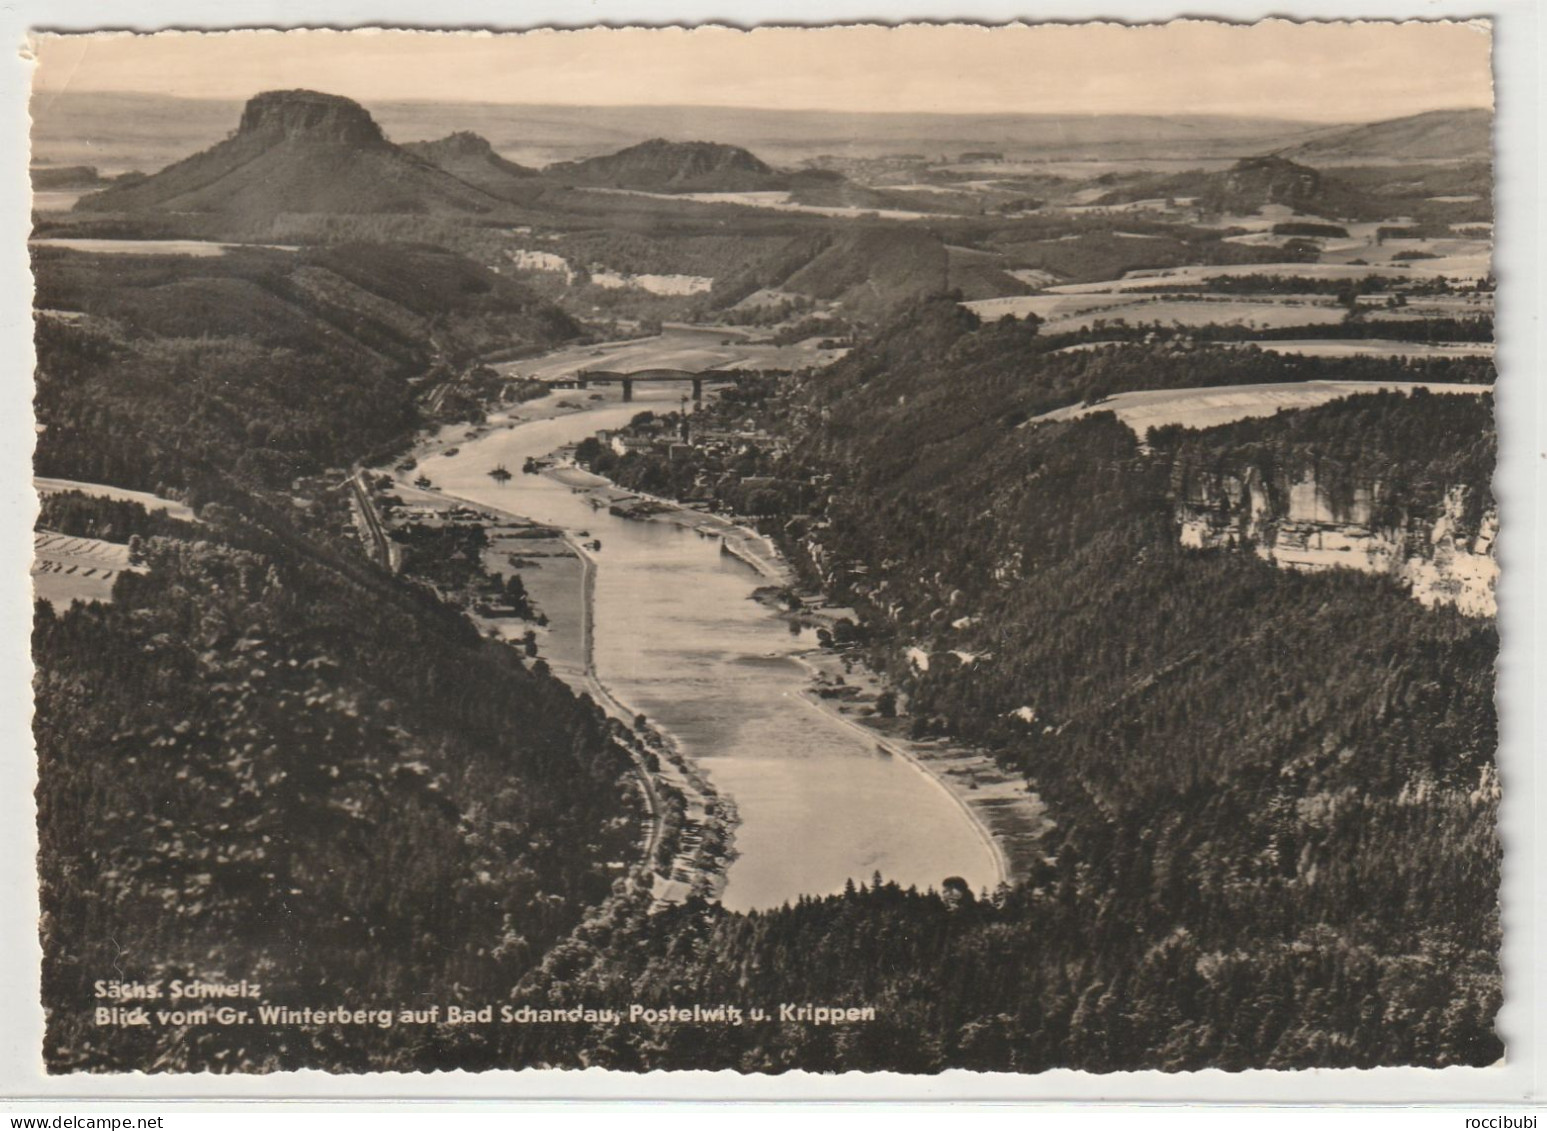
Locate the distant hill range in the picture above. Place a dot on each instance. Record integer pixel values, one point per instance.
(1440, 135)
(298, 151)
(118, 131)
(546, 134)
(303, 152)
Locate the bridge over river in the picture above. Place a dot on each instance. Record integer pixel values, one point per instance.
(586, 377)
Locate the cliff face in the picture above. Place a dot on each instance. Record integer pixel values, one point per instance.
(1314, 520)
(309, 117)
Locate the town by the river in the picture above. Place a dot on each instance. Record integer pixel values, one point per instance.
(678, 637)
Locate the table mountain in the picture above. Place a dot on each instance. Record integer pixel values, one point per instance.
(298, 151)
(675, 166)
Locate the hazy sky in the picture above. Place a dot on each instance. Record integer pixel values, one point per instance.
(1329, 72)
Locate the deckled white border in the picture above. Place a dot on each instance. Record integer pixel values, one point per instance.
(1521, 487)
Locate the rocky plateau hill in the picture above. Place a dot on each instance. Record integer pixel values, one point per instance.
(671, 166)
(298, 151)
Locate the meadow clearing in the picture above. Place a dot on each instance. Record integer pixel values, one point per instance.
(67, 569)
(1222, 404)
(1063, 313)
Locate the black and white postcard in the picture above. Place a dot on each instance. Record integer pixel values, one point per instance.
(833, 548)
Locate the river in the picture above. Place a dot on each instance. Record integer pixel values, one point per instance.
(678, 638)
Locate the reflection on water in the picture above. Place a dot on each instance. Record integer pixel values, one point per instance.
(678, 638)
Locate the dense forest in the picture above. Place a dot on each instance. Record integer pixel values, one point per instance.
(1275, 792)
(264, 761)
(399, 304)
(268, 758)
(267, 365)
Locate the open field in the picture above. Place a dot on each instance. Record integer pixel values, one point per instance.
(1066, 313)
(198, 248)
(1462, 267)
(1374, 347)
(678, 347)
(67, 569)
(655, 284)
(1361, 253)
(1047, 307)
(1158, 205)
(1469, 257)
(56, 200)
(775, 202)
(46, 486)
(1221, 404)
(1428, 306)
(1077, 170)
(1257, 222)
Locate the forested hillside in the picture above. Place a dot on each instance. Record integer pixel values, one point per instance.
(940, 375)
(267, 758)
(269, 364)
(301, 735)
(1274, 791)
(265, 762)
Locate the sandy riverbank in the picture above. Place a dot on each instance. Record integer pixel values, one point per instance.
(742, 541)
(1008, 815)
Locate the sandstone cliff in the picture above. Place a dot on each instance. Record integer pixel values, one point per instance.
(1311, 518)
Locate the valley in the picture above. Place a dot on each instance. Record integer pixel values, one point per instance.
(669, 618)
(1032, 573)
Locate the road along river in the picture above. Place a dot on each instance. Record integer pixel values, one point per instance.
(678, 638)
